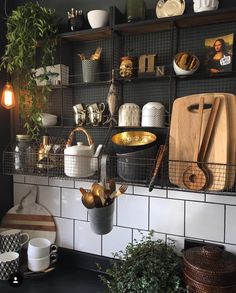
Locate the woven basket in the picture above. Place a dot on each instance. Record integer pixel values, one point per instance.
(209, 269)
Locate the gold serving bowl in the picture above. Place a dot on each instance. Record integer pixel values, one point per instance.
(129, 141)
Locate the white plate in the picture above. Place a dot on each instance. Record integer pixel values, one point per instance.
(168, 8)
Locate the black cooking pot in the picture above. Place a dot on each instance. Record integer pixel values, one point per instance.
(136, 166)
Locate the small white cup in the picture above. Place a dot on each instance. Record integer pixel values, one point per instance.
(9, 264)
(40, 248)
(41, 264)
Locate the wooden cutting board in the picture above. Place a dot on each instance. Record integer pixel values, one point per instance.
(182, 138)
(30, 217)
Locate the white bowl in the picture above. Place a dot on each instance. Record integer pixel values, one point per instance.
(97, 18)
(179, 71)
(48, 119)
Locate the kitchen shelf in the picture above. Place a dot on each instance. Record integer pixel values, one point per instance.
(168, 23)
(139, 171)
(88, 34)
(164, 37)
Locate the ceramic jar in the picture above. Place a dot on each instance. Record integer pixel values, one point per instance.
(153, 114)
(205, 5)
(129, 115)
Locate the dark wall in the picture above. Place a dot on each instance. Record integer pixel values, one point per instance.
(6, 187)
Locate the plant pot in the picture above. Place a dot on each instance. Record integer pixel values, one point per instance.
(101, 219)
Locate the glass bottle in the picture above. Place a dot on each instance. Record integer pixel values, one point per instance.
(135, 10)
(44, 160)
(23, 154)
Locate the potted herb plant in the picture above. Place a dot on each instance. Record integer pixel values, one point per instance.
(31, 32)
(147, 266)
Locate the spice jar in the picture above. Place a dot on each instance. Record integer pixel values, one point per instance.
(24, 154)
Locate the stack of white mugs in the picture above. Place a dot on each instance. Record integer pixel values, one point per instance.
(40, 253)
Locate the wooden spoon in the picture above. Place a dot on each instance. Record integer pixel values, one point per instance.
(194, 177)
(98, 190)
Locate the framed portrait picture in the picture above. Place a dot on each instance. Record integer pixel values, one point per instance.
(219, 53)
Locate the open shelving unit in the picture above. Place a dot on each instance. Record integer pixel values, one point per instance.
(164, 37)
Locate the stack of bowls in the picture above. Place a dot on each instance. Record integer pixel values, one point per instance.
(135, 151)
(48, 119)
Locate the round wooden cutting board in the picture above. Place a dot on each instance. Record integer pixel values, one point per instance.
(30, 217)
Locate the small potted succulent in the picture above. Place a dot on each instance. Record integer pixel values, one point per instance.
(147, 266)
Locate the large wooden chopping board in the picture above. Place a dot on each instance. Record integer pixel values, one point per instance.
(182, 139)
(31, 218)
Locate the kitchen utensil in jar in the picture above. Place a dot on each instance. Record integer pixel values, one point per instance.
(90, 200)
(129, 115)
(194, 177)
(79, 160)
(153, 115)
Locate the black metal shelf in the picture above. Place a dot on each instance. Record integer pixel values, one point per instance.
(168, 23)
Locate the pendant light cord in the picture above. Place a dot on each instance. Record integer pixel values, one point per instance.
(5, 8)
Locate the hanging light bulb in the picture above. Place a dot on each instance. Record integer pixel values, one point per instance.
(8, 97)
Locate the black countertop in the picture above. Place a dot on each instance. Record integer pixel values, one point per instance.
(75, 272)
(61, 280)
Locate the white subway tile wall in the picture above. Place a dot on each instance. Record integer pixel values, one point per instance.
(71, 205)
(205, 220)
(172, 214)
(167, 216)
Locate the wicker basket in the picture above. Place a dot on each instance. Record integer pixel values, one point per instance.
(209, 269)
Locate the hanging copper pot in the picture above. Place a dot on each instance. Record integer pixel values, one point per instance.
(209, 269)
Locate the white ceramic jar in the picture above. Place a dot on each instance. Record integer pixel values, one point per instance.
(205, 5)
(129, 115)
(153, 115)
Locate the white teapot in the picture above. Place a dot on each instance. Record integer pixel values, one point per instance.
(80, 160)
(205, 5)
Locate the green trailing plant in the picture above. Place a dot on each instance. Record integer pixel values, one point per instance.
(147, 266)
(31, 43)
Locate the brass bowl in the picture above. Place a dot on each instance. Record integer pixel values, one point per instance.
(129, 141)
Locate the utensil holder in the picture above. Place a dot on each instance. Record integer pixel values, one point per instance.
(90, 70)
(101, 219)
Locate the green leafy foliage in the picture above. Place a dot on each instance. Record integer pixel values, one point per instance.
(147, 266)
(31, 31)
